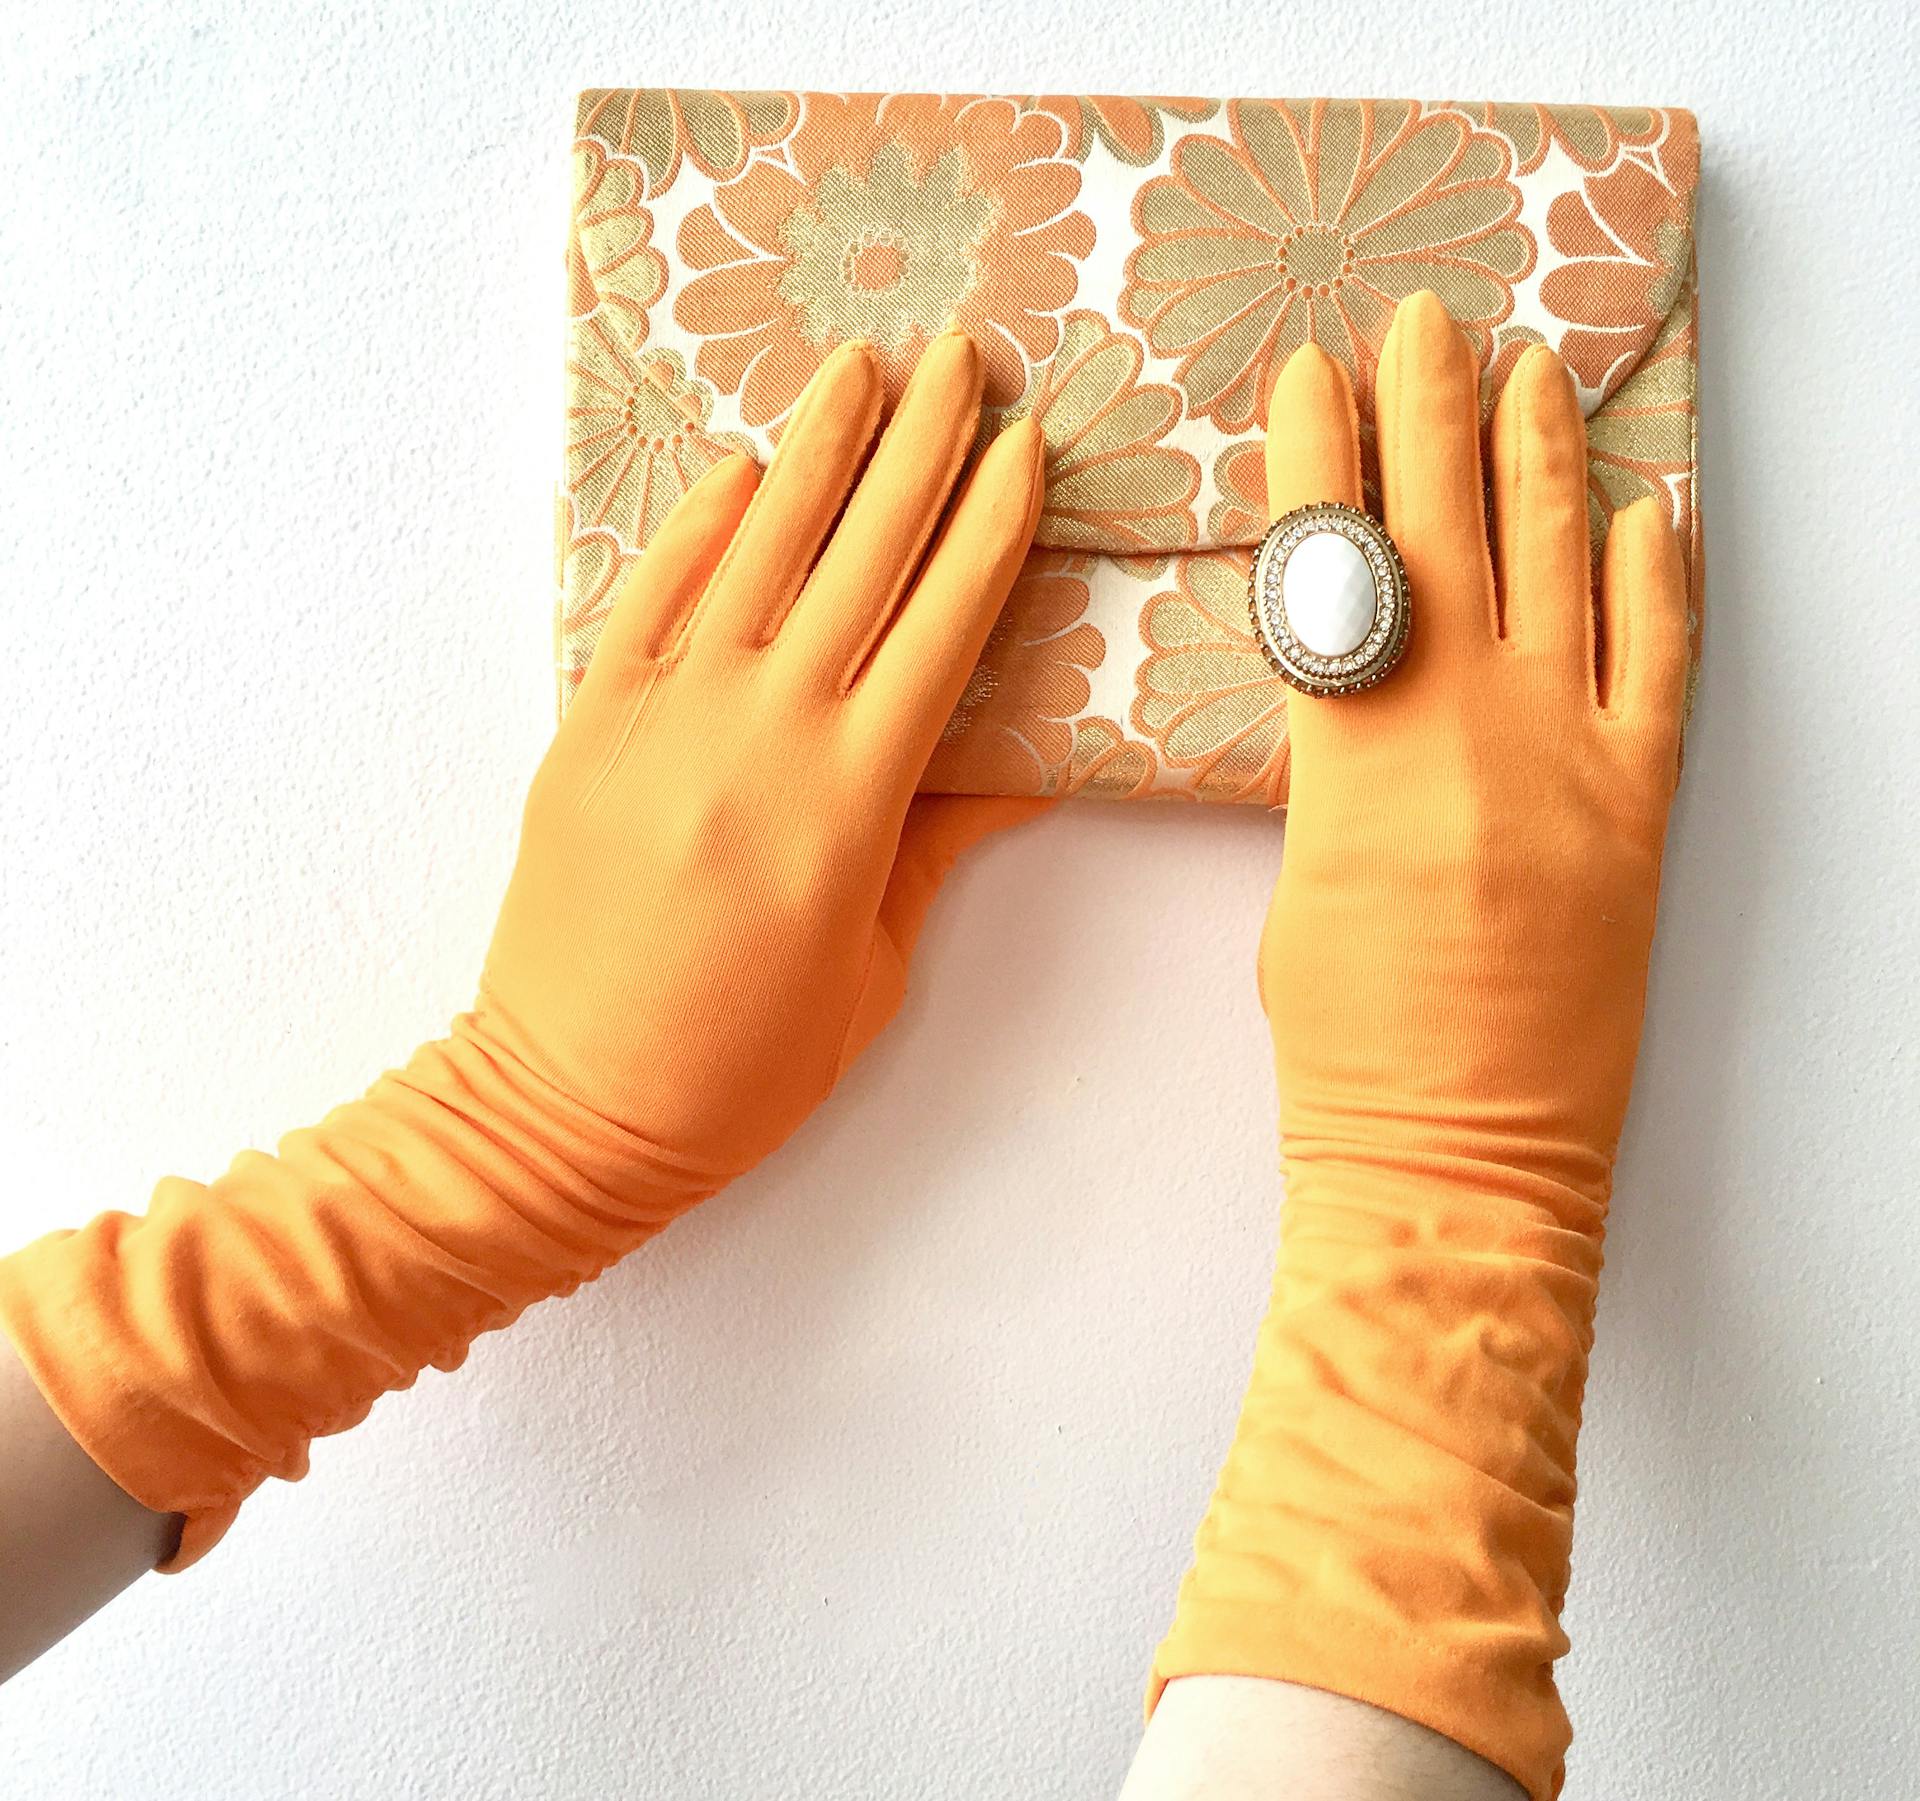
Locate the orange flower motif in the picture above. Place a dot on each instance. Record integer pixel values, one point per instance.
(1629, 240)
(637, 435)
(889, 219)
(1316, 219)
(1013, 731)
(1591, 135)
(1206, 694)
(1111, 482)
(1510, 343)
(592, 565)
(659, 127)
(1239, 516)
(1107, 763)
(1254, 227)
(1641, 441)
(1132, 129)
(611, 260)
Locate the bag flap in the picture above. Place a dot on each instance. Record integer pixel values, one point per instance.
(1134, 268)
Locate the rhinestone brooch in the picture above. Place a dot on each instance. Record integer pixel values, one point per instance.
(1328, 598)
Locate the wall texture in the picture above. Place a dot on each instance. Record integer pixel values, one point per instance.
(875, 1478)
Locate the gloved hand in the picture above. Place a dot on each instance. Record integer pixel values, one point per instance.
(723, 867)
(1454, 968)
(722, 872)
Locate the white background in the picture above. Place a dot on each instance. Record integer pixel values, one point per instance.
(874, 1478)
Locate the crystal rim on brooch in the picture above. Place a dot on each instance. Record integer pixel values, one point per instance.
(1386, 637)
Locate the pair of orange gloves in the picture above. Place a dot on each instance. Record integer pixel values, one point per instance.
(723, 869)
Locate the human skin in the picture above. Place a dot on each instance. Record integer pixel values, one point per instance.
(1245, 1738)
(72, 1539)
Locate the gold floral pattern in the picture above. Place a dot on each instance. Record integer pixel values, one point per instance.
(1133, 130)
(1642, 441)
(592, 565)
(1134, 268)
(1591, 135)
(1315, 220)
(1206, 694)
(637, 434)
(1107, 763)
(1112, 480)
(1510, 342)
(611, 260)
(1240, 515)
(889, 218)
(1013, 731)
(657, 128)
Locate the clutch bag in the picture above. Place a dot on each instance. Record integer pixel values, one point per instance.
(1134, 270)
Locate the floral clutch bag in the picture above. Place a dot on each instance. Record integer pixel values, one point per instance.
(1134, 270)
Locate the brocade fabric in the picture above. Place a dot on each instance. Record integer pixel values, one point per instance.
(1135, 270)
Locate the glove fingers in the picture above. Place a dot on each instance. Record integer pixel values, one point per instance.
(1313, 434)
(1430, 476)
(1542, 559)
(850, 598)
(800, 496)
(918, 670)
(1645, 652)
(664, 586)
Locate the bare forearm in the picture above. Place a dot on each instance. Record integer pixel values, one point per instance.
(1244, 1738)
(72, 1539)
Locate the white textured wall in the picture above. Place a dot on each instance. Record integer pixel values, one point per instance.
(874, 1478)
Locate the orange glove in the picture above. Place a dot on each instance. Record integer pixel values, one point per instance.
(1454, 969)
(722, 872)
